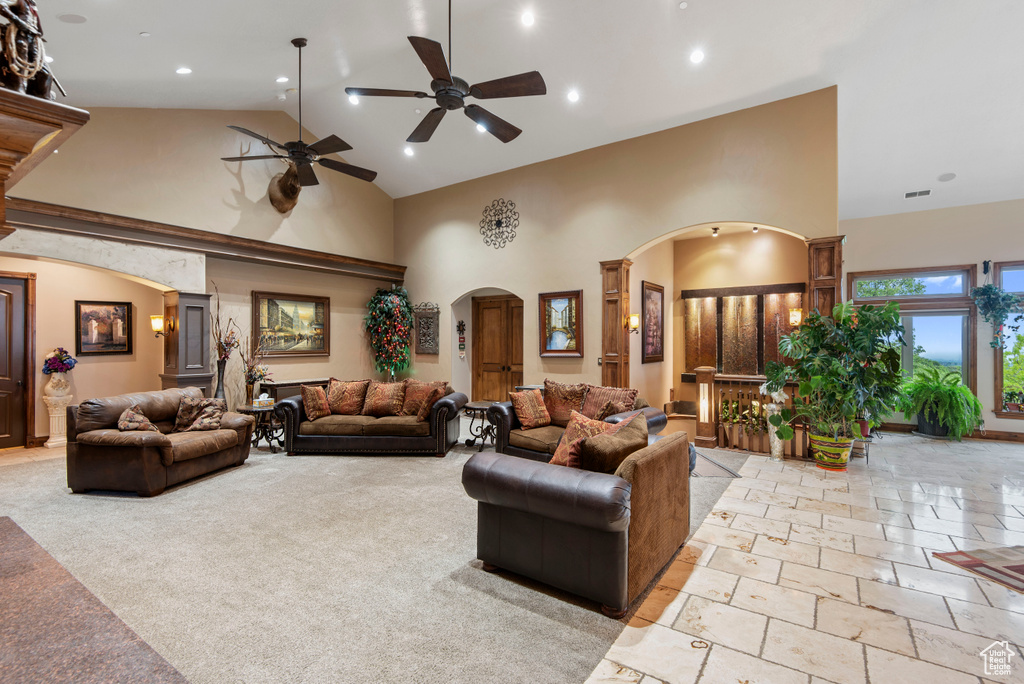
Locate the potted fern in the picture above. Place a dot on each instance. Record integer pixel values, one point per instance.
(943, 404)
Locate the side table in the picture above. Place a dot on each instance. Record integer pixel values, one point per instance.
(58, 410)
(264, 428)
(477, 410)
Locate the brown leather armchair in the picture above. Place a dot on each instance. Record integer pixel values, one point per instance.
(101, 457)
(603, 537)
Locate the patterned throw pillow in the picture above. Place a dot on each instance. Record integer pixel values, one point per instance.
(597, 397)
(384, 399)
(562, 400)
(604, 452)
(134, 419)
(530, 409)
(416, 393)
(314, 401)
(428, 403)
(199, 413)
(579, 428)
(610, 408)
(346, 398)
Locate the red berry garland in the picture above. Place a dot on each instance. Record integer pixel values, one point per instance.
(389, 325)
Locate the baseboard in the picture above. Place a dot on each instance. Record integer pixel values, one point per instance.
(33, 442)
(997, 435)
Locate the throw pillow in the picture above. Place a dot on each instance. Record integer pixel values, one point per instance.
(134, 419)
(597, 397)
(602, 453)
(416, 392)
(530, 409)
(561, 400)
(346, 398)
(384, 399)
(428, 403)
(314, 401)
(610, 408)
(578, 428)
(199, 413)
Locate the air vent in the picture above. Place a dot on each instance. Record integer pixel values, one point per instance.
(917, 193)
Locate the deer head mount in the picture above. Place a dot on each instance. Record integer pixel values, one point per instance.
(284, 189)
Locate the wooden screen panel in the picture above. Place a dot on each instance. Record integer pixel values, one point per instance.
(739, 335)
(614, 336)
(824, 273)
(515, 345)
(700, 323)
(776, 321)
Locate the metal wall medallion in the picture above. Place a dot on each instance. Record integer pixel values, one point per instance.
(499, 223)
(427, 316)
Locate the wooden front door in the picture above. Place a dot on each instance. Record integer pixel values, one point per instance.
(13, 357)
(497, 347)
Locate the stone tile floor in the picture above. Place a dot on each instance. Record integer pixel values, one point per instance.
(806, 576)
(19, 455)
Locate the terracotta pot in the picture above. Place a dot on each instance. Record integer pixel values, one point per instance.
(1011, 406)
(831, 453)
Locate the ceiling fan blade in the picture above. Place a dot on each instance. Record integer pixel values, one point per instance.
(427, 126)
(357, 172)
(432, 55)
(257, 156)
(306, 175)
(520, 85)
(496, 126)
(330, 145)
(384, 92)
(257, 136)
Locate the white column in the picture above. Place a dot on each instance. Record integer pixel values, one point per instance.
(58, 408)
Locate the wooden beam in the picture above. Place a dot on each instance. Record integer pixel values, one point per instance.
(779, 288)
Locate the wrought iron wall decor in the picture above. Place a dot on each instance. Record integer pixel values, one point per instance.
(427, 317)
(499, 223)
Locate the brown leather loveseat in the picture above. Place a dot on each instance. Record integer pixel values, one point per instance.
(101, 457)
(603, 537)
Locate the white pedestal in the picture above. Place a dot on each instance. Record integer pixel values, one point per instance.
(58, 408)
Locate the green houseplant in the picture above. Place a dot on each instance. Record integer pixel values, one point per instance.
(846, 365)
(942, 403)
(995, 305)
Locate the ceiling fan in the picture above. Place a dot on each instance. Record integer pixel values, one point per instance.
(300, 154)
(450, 92)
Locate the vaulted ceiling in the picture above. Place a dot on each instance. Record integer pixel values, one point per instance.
(926, 87)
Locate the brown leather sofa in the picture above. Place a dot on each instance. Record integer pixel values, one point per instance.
(539, 444)
(390, 435)
(101, 457)
(603, 537)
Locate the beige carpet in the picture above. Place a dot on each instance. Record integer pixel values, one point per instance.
(303, 569)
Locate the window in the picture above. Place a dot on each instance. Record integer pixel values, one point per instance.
(924, 284)
(1009, 365)
(937, 339)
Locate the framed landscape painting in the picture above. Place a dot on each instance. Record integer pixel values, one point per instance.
(653, 332)
(291, 325)
(561, 323)
(103, 328)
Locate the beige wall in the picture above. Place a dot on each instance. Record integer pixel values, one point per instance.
(164, 165)
(774, 164)
(350, 353)
(58, 285)
(944, 237)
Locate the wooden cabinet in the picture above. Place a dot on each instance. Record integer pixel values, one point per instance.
(497, 346)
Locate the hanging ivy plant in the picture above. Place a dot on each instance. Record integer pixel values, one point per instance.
(995, 305)
(389, 325)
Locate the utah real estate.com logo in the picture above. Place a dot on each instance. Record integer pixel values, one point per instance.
(997, 659)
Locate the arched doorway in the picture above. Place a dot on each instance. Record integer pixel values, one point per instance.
(487, 355)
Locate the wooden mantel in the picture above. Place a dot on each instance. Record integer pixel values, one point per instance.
(30, 129)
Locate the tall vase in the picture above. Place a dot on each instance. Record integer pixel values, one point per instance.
(248, 393)
(221, 364)
(774, 443)
(57, 386)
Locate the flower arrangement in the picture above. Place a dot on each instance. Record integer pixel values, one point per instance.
(777, 396)
(254, 370)
(58, 361)
(226, 335)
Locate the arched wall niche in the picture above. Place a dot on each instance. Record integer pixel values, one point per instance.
(462, 310)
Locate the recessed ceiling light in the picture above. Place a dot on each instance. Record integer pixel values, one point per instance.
(282, 79)
(72, 18)
(353, 99)
(683, 5)
(573, 96)
(946, 177)
(755, 229)
(528, 18)
(49, 59)
(481, 128)
(418, 110)
(697, 56)
(714, 232)
(409, 151)
(145, 34)
(183, 71)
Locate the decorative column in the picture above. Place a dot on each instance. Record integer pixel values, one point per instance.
(707, 435)
(58, 408)
(187, 341)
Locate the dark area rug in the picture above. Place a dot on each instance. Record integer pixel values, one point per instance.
(52, 629)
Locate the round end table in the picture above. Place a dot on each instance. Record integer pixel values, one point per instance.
(264, 428)
(477, 411)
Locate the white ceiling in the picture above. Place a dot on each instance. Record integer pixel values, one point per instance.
(925, 86)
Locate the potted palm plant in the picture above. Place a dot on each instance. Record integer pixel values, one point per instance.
(845, 366)
(943, 404)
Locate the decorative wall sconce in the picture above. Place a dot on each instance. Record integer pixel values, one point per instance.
(159, 327)
(714, 232)
(633, 323)
(755, 229)
(796, 316)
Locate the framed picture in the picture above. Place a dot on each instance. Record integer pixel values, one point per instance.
(291, 325)
(561, 323)
(652, 331)
(103, 328)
